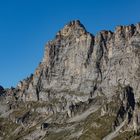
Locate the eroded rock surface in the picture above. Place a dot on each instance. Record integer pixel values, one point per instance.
(85, 88)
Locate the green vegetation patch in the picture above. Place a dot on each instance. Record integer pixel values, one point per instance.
(96, 126)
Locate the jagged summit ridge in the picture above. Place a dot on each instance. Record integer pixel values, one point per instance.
(74, 43)
(77, 29)
(72, 26)
(84, 84)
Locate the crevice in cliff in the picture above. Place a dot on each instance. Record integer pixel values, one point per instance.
(90, 51)
(127, 106)
(39, 85)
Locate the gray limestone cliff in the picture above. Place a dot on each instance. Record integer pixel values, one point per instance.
(86, 87)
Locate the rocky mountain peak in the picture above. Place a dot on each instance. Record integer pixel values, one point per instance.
(73, 33)
(72, 26)
(85, 86)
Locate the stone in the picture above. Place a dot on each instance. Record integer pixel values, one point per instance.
(84, 74)
(1, 90)
(44, 126)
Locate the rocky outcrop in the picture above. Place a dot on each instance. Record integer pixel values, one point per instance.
(80, 74)
(127, 106)
(78, 65)
(1, 90)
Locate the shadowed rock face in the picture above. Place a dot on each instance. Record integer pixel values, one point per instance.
(83, 80)
(1, 89)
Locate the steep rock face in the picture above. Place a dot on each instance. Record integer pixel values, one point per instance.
(124, 62)
(64, 67)
(1, 90)
(77, 62)
(84, 84)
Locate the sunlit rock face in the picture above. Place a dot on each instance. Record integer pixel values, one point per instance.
(76, 61)
(83, 84)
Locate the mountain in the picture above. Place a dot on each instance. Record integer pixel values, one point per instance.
(85, 88)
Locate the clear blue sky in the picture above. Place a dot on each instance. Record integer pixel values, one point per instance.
(26, 26)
